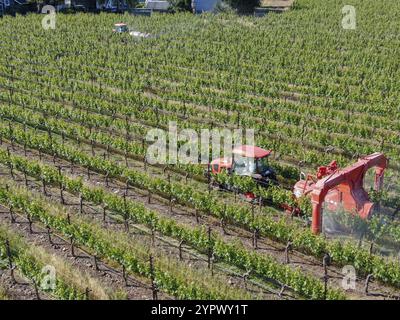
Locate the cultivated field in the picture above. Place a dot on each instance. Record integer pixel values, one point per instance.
(77, 193)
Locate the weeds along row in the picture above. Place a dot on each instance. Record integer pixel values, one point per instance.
(279, 226)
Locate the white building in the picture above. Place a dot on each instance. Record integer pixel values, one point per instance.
(157, 5)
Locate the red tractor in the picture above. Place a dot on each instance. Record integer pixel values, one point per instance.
(248, 161)
(337, 187)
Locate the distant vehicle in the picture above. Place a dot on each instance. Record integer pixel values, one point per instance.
(123, 28)
(120, 28)
(115, 6)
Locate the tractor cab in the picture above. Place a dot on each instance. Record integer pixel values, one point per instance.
(120, 28)
(246, 161)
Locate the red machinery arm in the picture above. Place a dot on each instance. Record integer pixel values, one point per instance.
(353, 176)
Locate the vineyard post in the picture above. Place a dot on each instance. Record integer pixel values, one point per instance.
(87, 290)
(282, 290)
(104, 212)
(25, 178)
(29, 222)
(10, 130)
(25, 153)
(371, 248)
(288, 248)
(326, 261)
(196, 213)
(88, 172)
(255, 238)
(180, 250)
(36, 289)
(209, 253)
(152, 277)
(124, 276)
(367, 282)
(106, 179)
(126, 157)
(12, 217)
(80, 203)
(68, 218)
(50, 136)
(44, 186)
(49, 235)
(212, 263)
(72, 245)
(10, 264)
(12, 171)
(245, 278)
(95, 262)
(127, 187)
(126, 221)
(92, 148)
(223, 222)
(153, 236)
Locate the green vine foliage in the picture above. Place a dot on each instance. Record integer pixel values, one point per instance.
(196, 237)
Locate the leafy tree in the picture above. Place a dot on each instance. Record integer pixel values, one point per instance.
(243, 6)
(181, 5)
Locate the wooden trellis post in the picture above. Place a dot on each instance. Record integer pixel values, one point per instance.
(124, 276)
(326, 261)
(95, 262)
(72, 246)
(367, 282)
(12, 217)
(154, 288)
(80, 203)
(209, 253)
(180, 250)
(255, 238)
(36, 289)
(44, 186)
(288, 248)
(49, 234)
(29, 223)
(10, 264)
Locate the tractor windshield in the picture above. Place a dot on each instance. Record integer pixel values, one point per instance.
(262, 165)
(244, 165)
(122, 29)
